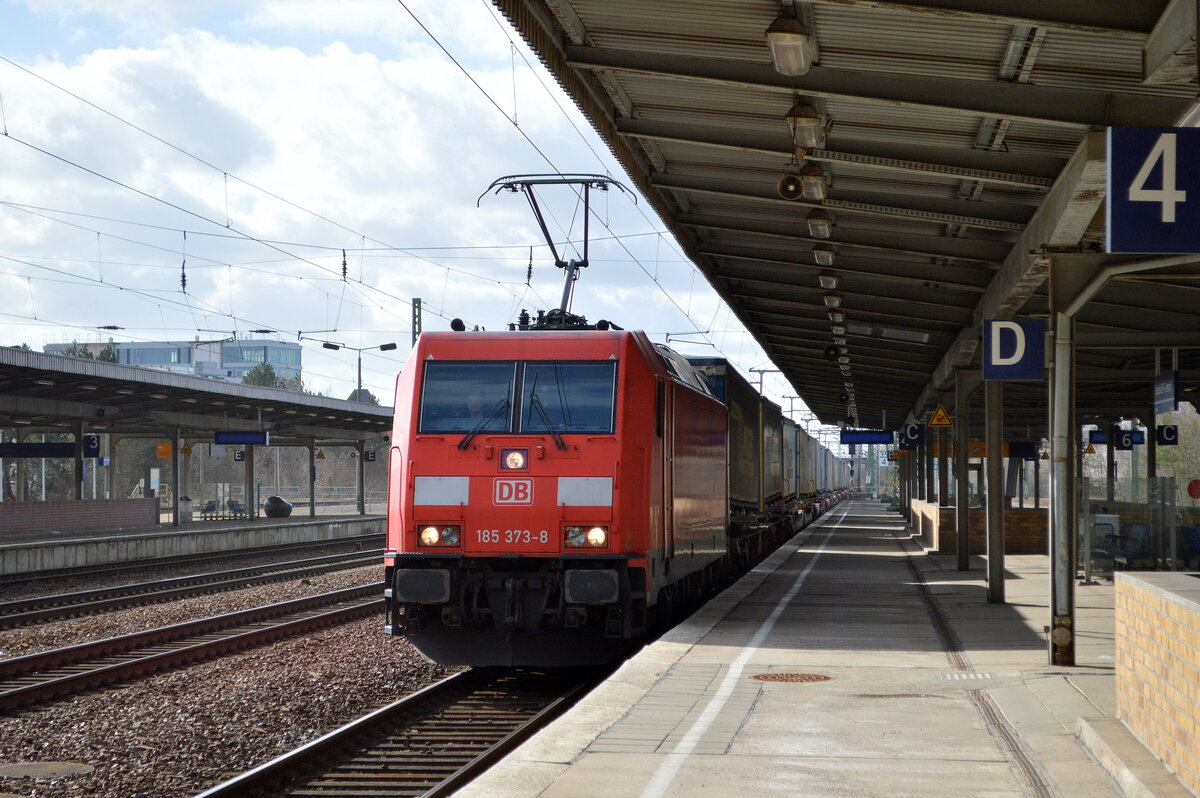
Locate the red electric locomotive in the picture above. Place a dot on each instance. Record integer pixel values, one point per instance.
(558, 491)
(550, 494)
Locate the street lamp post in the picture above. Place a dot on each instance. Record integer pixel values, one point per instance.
(359, 349)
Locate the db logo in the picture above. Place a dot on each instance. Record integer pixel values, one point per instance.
(513, 491)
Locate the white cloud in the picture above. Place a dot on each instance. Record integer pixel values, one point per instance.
(363, 121)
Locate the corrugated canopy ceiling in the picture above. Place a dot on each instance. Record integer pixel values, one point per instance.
(961, 147)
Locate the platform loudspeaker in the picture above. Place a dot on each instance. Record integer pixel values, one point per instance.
(790, 187)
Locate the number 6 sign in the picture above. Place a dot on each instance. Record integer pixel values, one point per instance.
(1153, 190)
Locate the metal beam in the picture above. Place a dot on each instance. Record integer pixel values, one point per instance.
(979, 165)
(990, 253)
(1169, 54)
(768, 299)
(973, 98)
(924, 275)
(1114, 18)
(922, 209)
(27, 406)
(1061, 221)
(789, 288)
(1137, 340)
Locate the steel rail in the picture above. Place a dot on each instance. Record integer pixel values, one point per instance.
(429, 743)
(46, 675)
(69, 605)
(373, 538)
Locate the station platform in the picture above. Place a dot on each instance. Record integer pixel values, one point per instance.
(850, 663)
(23, 552)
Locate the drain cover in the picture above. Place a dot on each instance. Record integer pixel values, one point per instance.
(43, 770)
(791, 677)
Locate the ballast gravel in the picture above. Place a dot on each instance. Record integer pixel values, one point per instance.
(32, 639)
(177, 733)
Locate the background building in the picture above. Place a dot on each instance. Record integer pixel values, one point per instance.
(223, 359)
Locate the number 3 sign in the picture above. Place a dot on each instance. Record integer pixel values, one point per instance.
(1153, 190)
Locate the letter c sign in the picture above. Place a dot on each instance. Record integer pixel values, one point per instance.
(1167, 435)
(1014, 349)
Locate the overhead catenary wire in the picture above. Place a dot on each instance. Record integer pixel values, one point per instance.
(226, 175)
(540, 152)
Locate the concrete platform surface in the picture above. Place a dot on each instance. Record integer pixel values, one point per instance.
(928, 691)
(22, 553)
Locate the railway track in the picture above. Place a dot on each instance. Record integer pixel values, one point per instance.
(49, 674)
(69, 605)
(429, 743)
(373, 540)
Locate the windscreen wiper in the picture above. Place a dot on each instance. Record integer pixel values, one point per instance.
(537, 405)
(478, 428)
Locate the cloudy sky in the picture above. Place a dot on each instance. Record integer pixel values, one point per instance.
(245, 145)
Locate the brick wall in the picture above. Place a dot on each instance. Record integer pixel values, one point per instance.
(1026, 530)
(66, 516)
(1158, 666)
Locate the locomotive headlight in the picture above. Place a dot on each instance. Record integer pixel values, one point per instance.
(581, 537)
(514, 459)
(431, 536)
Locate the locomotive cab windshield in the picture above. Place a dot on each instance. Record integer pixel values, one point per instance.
(556, 397)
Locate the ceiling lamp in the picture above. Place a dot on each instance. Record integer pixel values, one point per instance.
(790, 186)
(833, 300)
(812, 179)
(837, 316)
(791, 47)
(823, 254)
(839, 340)
(838, 329)
(820, 225)
(844, 359)
(808, 132)
(828, 280)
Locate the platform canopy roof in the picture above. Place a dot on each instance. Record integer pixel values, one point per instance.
(48, 392)
(960, 143)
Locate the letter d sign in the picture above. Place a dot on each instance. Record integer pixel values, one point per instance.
(1014, 349)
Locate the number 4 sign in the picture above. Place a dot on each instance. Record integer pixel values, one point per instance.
(1153, 190)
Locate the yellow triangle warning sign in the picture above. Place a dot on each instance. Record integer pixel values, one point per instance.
(187, 449)
(1090, 449)
(940, 418)
(320, 454)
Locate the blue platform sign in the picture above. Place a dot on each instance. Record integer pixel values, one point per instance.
(1153, 189)
(852, 436)
(912, 434)
(1125, 439)
(1014, 349)
(242, 438)
(91, 445)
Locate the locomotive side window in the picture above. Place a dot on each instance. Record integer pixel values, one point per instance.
(566, 397)
(458, 396)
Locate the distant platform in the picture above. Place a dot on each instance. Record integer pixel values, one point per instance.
(22, 552)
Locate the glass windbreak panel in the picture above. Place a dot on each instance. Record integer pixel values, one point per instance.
(568, 397)
(458, 396)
